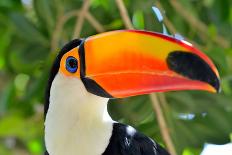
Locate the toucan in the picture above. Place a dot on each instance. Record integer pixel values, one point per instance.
(116, 64)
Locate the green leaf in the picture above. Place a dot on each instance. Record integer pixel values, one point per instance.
(27, 29)
(191, 151)
(231, 137)
(5, 39)
(138, 20)
(35, 147)
(6, 97)
(9, 5)
(43, 10)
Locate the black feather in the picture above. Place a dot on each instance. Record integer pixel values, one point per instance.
(123, 142)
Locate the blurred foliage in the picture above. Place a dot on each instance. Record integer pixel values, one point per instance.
(27, 30)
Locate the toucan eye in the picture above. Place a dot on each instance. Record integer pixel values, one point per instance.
(71, 64)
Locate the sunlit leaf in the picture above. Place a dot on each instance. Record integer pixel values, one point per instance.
(138, 20)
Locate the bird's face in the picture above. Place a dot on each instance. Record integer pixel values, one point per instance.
(70, 63)
(128, 62)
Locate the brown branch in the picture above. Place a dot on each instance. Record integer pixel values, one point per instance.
(124, 14)
(56, 34)
(94, 22)
(162, 124)
(58, 29)
(198, 25)
(63, 19)
(80, 19)
(163, 100)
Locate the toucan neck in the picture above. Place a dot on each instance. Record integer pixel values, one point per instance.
(74, 115)
(69, 95)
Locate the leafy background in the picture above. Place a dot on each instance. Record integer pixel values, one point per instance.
(33, 31)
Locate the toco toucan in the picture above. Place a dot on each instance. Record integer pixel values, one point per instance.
(117, 64)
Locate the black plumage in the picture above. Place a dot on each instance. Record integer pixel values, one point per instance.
(122, 142)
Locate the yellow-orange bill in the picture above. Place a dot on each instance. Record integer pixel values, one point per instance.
(131, 62)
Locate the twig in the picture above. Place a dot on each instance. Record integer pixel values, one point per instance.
(162, 100)
(124, 14)
(63, 19)
(198, 25)
(58, 29)
(162, 124)
(94, 22)
(80, 19)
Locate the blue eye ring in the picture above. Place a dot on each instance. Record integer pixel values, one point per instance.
(71, 64)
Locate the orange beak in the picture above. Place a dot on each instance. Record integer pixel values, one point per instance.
(130, 62)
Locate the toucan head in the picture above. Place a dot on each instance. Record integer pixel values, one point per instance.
(125, 63)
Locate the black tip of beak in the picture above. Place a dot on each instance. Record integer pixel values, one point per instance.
(193, 67)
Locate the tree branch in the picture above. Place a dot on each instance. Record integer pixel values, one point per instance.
(63, 19)
(80, 19)
(58, 29)
(198, 25)
(162, 124)
(94, 22)
(124, 14)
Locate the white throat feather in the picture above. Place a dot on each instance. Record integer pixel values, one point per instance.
(77, 122)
